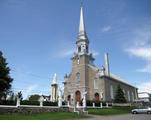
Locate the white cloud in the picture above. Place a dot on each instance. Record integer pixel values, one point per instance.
(95, 53)
(146, 69)
(66, 53)
(141, 47)
(141, 52)
(106, 29)
(142, 37)
(144, 87)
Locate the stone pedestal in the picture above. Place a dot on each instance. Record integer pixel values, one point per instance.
(41, 103)
(78, 105)
(60, 101)
(84, 100)
(101, 106)
(18, 102)
(93, 104)
(68, 104)
(107, 105)
(41, 99)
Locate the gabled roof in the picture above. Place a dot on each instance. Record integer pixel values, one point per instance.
(101, 73)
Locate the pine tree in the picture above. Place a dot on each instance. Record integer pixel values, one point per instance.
(119, 98)
(5, 79)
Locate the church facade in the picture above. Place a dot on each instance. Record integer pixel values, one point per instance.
(99, 83)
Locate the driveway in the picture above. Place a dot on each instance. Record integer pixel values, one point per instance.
(121, 117)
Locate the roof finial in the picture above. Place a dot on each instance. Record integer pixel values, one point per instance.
(81, 3)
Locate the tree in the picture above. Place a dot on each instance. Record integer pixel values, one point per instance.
(119, 98)
(34, 97)
(20, 96)
(5, 79)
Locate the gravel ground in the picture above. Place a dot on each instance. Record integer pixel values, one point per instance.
(121, 117)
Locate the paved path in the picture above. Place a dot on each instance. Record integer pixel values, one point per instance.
(121, 117)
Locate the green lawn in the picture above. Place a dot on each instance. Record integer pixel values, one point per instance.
(110, 111)
(41, 116)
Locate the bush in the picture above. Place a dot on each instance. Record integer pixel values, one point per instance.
(46, 103)
(89, 103)
(27, 102)
(7, 102)
(64, 103)
(97, 104)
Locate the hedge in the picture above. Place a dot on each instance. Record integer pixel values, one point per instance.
(7, 102)
(46, 103)
(27, 102)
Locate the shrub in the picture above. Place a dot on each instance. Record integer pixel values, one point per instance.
(97, 103)
(27, 102)
(46, 103)
(64, 103)
(89, 103)
(7, 102)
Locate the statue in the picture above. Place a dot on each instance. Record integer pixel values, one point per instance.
(18, 101)
(84, 99)
(41, 99)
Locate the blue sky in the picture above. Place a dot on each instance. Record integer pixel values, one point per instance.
(38, 38)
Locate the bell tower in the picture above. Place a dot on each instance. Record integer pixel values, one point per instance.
(82, 40)
(54, 89)
(79, 77)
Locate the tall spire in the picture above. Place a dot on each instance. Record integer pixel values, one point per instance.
(82, 32)
(82, 41)
(81, 25)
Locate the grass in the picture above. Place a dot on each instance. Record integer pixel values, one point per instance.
(42, 116)
(111, 111)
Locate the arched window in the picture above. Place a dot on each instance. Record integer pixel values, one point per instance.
(79, 49)
(87, 49)
(78, 77)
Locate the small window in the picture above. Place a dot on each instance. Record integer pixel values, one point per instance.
(95, 84)
(87, 49)
(78, 77)
(78, 61)
(79, 49)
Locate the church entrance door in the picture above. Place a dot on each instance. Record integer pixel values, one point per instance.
(78, 96)
(97, 97)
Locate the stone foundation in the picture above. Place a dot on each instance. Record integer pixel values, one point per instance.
(30, 109)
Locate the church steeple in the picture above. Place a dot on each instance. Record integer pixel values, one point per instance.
(82, 41)
(81, 25)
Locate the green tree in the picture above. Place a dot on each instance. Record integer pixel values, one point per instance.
(5, 79)
(119, 98)
(20, 96)
(34, 97)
